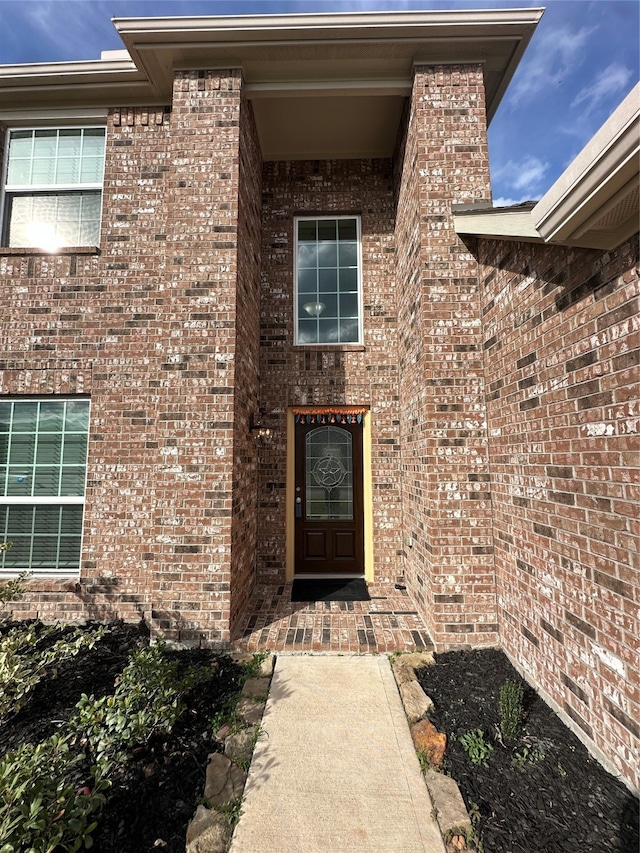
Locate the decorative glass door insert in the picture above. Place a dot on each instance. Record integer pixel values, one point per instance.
(329, 474)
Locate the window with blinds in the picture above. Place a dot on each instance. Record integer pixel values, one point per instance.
(43, 463)
(53, 187)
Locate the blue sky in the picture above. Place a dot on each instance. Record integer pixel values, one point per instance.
(581, 63)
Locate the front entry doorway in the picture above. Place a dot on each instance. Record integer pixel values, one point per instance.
(328, 496)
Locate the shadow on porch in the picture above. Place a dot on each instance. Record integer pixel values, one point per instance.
(389, 622)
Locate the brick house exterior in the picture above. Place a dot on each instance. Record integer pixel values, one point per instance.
(493, 376)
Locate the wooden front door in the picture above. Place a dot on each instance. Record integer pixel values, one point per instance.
(329, 525)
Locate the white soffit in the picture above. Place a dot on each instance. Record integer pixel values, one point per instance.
(290, 48)
(370, 125)
(292, 58)
(501, 222)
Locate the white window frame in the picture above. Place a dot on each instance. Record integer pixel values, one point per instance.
(50, 500)
(7, 190)
(318, 218)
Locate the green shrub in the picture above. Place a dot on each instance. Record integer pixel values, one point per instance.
(527, 756)
(475, 746)
(23, 665)
(147, 699)
(12, 590)
(511, 709)
(45, 804)
(41, 808)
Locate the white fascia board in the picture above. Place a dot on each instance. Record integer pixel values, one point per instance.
(74, 84)
(31, 81)
(54, 116)
(99, 67)
(601, 169)
(300, 27)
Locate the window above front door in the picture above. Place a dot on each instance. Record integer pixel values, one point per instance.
(328, 280)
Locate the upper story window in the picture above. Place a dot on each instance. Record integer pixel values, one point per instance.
(328, 280)
(53, 188)
(43, 464)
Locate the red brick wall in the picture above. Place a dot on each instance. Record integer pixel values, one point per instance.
(348, 375)
(85, 323)
(247, 366)
(191, 589)
(445, 466)
(561, 339)
(149, 324)
(417, 500)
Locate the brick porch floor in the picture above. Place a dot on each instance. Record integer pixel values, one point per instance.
(387, 623)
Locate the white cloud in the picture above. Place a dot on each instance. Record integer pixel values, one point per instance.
(530, 172)
(614, 79)
(524, 176)
(55, 30)
(555, 54)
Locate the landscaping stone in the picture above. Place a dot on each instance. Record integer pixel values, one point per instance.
(453, 819)
(266, 667)
(417, 660)
(239, 747)
(255, 687)
(428, 740)
(250, 711)
(224, 780)
(416, 703)
(448, 803)
(402, 671)
(405, 666)
(223, 732)
(208, 832)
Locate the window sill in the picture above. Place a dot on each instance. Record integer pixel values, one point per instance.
(42, 574)
(330, 347)
(64, 250)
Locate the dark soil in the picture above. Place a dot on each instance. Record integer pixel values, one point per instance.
(157, 792)
(559, 799)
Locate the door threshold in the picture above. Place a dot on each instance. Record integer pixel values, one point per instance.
(319, 576)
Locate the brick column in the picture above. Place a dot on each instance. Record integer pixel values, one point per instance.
(192, 581)
(447, 512)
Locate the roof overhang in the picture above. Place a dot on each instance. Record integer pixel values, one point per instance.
(322, 85)
(594, 203)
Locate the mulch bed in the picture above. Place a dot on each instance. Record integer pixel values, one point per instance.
(156, 793)
(560, 799)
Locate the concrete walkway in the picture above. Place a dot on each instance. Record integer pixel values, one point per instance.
(335, 770)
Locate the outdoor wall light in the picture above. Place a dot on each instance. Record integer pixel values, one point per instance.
(314, 309)
(262, 434)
